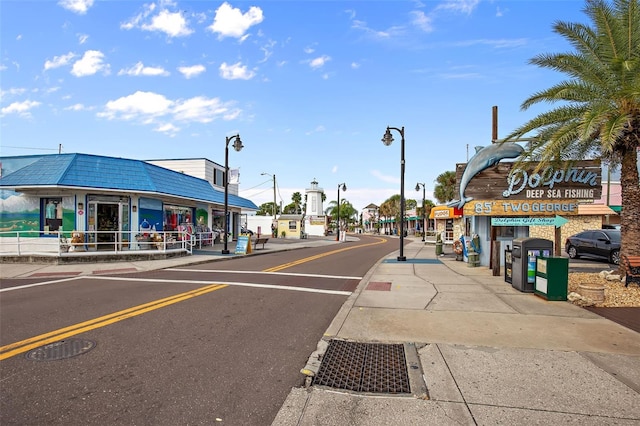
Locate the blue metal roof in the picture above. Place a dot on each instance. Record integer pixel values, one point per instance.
(110, 173)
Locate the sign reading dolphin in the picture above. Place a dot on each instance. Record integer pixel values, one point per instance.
(484, 158)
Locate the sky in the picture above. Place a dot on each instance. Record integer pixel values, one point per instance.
(310, 86)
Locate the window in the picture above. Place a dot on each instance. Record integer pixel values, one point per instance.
(52, 208)
(293, 225)
(505, 231)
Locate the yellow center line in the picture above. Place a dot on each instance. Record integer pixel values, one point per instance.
(56, 335)
(318, 256)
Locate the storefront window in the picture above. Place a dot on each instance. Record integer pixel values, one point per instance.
(175, 216)
(505, 231)
(52, 208)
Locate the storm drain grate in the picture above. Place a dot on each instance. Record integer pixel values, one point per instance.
(60, 350)
(364, 367)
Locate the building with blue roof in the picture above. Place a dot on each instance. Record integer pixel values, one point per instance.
(45, 194)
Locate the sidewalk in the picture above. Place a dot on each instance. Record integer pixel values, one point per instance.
(488, 353)
(205, 254)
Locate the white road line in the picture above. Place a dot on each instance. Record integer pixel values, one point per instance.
(152, 280)
(22, 287)
(225, 271)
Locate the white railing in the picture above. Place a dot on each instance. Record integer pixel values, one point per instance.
(28, 243)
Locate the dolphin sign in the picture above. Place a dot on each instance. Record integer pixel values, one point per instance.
(484, 158)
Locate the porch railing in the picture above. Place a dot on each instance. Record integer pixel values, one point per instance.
(24, 243)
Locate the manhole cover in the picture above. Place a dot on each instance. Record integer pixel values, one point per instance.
(60, 350)
(364, 367)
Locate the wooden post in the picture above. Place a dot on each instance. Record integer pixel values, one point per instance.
(496, 258)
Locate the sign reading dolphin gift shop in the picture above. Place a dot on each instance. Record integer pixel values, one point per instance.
(489, 188)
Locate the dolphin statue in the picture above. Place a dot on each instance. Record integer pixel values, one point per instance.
(484, 158)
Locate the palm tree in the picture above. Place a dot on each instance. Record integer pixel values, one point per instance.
(347, 211)
(296, 197)
(445, 187)
(598, 115)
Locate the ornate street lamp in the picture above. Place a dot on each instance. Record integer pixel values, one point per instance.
(424, 229)
(387, 139)
(237, 145)
(344, 188)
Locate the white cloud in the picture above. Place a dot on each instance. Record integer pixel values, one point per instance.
(23, 108)
(139, 105)
(59, 61)
(76, 6)
(139, 69)
(148, 107)
(192, 71)
(203, 110)
(14, 91)
(167, 128)
(319, 61)
(76, 107)
(422, 21)
(91, 63)
(172, 24)
(463, 6)
(231, 22)
(82, 38)
(376, 34)
(355, 65)
(235, 72)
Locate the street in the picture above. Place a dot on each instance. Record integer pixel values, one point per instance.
(216, 342)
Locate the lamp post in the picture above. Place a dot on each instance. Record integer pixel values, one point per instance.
(387, 139)
(237, 145)
(344, 188)
(424, 216)
(274, 193)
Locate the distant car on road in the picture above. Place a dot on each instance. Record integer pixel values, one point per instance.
(600, 243)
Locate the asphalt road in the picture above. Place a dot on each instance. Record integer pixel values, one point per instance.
(216, 343)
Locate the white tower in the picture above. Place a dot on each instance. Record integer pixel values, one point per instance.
(314, 200)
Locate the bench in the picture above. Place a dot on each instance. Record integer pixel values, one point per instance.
(262, 241)
(632, 268)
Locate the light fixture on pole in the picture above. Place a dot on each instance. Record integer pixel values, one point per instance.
(387, 139)
(237, 145)
(344, 188)
(274, 193)
(424, 216)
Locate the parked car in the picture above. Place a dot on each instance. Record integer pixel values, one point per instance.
(601, 243)
(611, 227)
(244, 230)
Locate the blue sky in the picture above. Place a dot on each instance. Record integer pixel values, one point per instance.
(310, 86)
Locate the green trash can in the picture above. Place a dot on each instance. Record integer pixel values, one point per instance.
(552, 278)
(439, 250)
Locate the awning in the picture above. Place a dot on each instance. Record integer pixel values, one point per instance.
(594, 209)
(445, 212)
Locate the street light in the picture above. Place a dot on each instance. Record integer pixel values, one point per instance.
(387, 139)
(344, 188)
(424, 229)
(237, 145)
(274, 192)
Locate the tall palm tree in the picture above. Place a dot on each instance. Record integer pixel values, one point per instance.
(296, 197)
(598, 115)
(445, 188)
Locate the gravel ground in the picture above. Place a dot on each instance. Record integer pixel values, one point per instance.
(615, 293)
